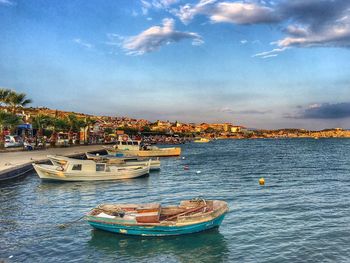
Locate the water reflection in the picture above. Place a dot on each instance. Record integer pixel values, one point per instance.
(89, 185)
(208, 246)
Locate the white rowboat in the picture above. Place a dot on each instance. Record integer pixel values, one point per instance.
(69, 169)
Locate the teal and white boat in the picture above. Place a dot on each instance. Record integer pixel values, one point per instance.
(155, 220)
(124, 161)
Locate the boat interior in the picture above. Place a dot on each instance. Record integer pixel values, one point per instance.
(154, 212)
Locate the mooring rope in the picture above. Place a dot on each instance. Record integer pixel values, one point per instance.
(120, 212)
(62, 226)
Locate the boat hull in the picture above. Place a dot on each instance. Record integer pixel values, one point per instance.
(165, 152)
(150, 230)
(203, 140)
(154, 165)
(47, 173)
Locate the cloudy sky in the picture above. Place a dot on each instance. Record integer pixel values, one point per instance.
(258, 63)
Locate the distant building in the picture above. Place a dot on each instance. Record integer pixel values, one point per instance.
(235, 129)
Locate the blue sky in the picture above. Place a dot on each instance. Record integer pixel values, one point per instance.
(264, 64)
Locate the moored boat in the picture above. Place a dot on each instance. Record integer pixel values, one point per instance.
(69, 169)
(155, 220)
(128, 147)
(124, 161)
(201, 140)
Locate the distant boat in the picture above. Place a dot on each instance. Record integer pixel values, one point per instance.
(127, 147)
(155, 220)
(201, 140)
(124, 161)
(69, 169)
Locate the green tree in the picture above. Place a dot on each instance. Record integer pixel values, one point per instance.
(74, 124)
(17, 100)
(146, 129)
(60, 124)
(57, 124)
(87, 123)
(40, 122)
(4, 95)
(108, 131)
(7, 120)
(209, 130)
(129, 130)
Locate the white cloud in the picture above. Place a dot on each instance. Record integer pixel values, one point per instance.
(82, 43)
(311, 23)
(155, 37)
(6, 2)
(240, 111)
(242, 13)
(271, 53)
(315, 105)
(270, 56)
(114, 39)
(316, 23)
(296, 30)
(156, 4)
(336, 34)
(227, 12)
(146, 4)
(166, 3)
(226, 109)
(187, 12)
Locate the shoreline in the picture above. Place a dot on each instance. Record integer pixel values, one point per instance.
(17, 163)
(281, 137)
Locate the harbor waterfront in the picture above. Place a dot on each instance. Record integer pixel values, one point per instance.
(300, 214)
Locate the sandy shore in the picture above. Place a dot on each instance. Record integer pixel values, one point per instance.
(13, 159)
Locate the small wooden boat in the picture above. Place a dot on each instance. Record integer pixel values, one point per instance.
(201, 140)
(128, 147)
(155, 220)
(69, 169)
(97, 157)
(148, 151)
(124, 161)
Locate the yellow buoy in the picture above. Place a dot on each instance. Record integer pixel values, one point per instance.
(261, 181)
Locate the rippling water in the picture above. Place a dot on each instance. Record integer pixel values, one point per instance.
(301, 214)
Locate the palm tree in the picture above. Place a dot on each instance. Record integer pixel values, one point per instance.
(4, 95)
(17, 100)
(40, 122)
(58, 124)
(72, 121)
(87, 124)
(83, 123)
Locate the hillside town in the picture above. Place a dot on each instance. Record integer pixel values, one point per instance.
(42, 127)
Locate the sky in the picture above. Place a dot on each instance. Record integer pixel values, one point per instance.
(257, 63)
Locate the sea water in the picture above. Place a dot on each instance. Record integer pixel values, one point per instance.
(301, 214)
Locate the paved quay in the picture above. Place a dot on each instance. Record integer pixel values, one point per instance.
(12, 164)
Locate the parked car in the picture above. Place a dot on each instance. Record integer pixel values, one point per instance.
(13, 141)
